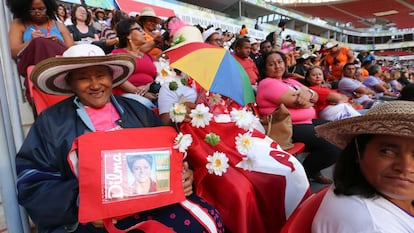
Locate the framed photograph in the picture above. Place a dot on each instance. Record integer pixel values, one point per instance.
(135, 173)
(126, 171)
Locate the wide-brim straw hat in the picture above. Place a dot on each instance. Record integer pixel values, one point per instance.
(390, 118)
(331, 43)
(50, 74)
(148, 12)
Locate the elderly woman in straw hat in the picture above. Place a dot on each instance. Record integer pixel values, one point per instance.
(48, 189)
(374, 176)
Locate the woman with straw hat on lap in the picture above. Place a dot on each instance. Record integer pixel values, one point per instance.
(373, 187)
(47, 184)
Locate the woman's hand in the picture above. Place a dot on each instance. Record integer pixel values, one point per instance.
(37, 34)
(100, 224)
(187, 179)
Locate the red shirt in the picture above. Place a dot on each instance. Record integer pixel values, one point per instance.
(250, 68)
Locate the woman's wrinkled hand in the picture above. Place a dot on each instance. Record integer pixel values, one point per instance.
(189, 106)
(187, 179)
(100, 223)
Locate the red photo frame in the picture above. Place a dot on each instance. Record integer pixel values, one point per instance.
(103, 165)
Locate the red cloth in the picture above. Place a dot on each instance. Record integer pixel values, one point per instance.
(248, 200)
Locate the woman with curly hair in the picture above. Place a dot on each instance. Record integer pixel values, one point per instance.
(34, 34)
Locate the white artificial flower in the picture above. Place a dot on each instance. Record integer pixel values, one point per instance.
(244, 119)
(165, 74)
(217, 163)
(214, 99)
(177, 112)
(247, 163)
(244, 143)
(182, 142)
(200, 116)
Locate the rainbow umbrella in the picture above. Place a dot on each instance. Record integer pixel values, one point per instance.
(215, 69)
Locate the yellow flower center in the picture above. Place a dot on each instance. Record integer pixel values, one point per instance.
(218, 163)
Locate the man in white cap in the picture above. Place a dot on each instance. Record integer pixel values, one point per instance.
(213, 36)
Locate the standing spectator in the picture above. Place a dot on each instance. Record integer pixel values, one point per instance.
(242, 49)
(276, 37)
(336, 58)
(243, 31)
(81, 30)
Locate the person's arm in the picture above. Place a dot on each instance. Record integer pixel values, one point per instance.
(47, 189)
(300, 98)
(335, 98)
(16, 38)
(67, 37)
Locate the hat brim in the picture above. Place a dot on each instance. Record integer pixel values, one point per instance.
(159, 20)
(50, 74)
(341, 132)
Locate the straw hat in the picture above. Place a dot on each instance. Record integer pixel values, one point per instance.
(331, 43)
(148, 12)
(390, 118)
(50, 74)
(185, 35)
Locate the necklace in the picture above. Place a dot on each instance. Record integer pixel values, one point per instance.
(137, 54)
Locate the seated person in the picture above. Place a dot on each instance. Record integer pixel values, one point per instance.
(277, 88)
(47, 187)
(407, 93)
(262, 183)
(350, 86)
(81, 30)
(34, 34)
(331, 104)
(374, 176)
(141, 82)
(376, 84)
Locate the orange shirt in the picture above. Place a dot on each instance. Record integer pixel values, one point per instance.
(338, 62)
(155, 51)
(243, 32)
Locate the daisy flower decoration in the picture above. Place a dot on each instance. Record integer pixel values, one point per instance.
(165, 73)
(244, 143)
(182, 142)
(177, 112)
(214, 99)
(217, 163)
(244, 119)
(200, 116)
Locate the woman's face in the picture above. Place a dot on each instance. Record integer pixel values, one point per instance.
(141, 170)
(93, 85)
(38, 11)
(136, 35)
(388, 165)
(275, 66)
(81, 14)
(61, 11)
(149, 24)
(315, 77)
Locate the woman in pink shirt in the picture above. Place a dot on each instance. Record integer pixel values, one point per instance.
(277, 87)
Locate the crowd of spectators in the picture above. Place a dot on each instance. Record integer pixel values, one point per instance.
(316, 83)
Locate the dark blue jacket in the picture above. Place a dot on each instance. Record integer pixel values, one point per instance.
(47, 188)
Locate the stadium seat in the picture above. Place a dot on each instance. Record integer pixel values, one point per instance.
(301, 219)
(40, 100)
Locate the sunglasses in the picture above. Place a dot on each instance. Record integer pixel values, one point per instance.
(137, 29)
